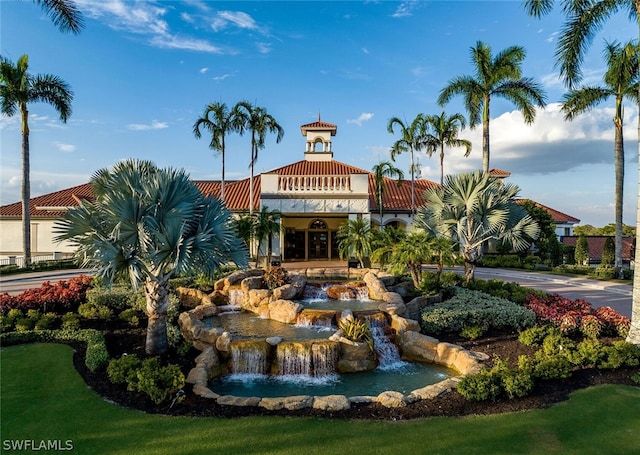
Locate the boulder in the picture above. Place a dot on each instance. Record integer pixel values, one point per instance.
(230, 400)
(404, 288)
(252, 282)
(376, 287)
(417, 347)
(218, 298)
(286, 292)
(203, 311)
(355, 357)
(298, 281)
(197, 375)
(401, 325)
(391, 399)
(191, 298)
(415, 306)
(274, 341)
(284, 311)
(204, 392)
(210, 336)
(256, 298)
(331, 403)
(341, 292)
(223, 342)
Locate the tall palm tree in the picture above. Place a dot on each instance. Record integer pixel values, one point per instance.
(411, 140)
(620, 81)
(445, 134)
(260, 122)
(410, 253)
(219, 121)
(65, 14)
(151, 224)
(583, 21)
(380, 171)
(499, 76)
(18, 89)
(471, 209)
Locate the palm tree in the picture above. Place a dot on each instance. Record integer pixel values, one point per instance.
(410, 253)
(355, 238)
(411, 140)
(267, 223)
(64, 14)
(18, 89)
(583, 21)
(620, 81)
(218, 120)
(260, 122)
(498, 76)
(151, 224)
(471, 209)
(380, 171)
(383, 242)
(445, 129)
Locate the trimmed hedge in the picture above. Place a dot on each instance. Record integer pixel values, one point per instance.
(473, 308)
(96, 355)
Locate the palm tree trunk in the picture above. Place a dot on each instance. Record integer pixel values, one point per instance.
(413, 186)
(441, 164)
(157, 296)
(485, 136)
(619, 186)
(222, 180)
(26, 188)
(634, 331)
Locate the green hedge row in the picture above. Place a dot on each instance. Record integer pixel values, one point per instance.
(96, 355)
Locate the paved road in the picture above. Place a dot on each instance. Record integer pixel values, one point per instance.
(598, 293)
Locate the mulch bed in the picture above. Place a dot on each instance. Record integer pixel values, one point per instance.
(121, 339)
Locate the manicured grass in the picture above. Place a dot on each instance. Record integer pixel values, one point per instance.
(43, 398)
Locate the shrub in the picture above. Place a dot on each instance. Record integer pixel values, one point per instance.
(535, 335)
(472, 308)
(24, 324)
(612, 321)
(588, 353)
(46, 321)
(147, 376)
(498, 288)
(556, 343)
(91, 311)
(551, 366)
(590, 326)
(117, 297)
(356, 330)
(603, 272)
(621, 354)
(275, 277)
(123, 370)
(70, 321)
(517, 383)
(472, 332)
(484, 385)
(130, 316)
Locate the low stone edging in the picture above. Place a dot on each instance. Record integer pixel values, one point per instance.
(414, 346)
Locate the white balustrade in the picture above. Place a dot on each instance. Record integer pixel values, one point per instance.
(314, 183)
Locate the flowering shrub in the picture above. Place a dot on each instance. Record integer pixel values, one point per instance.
(574, 316)
(60, 297)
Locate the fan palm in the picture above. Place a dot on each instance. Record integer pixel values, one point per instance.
(380, 171)
(219, 121)
(445, 134)
(64, 14)
(473, 208)
(498, 76)
(151, 224)
(18, 89)
(411, 140)
(620, 81)
(410, 253)
(583, 21)
(260, 122)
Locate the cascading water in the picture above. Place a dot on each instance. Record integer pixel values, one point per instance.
(386, 351)
(236, 297)
(248, 358)
(325, 358)
(294, 359)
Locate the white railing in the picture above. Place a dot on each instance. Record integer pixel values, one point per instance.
(317, 183)
(19, 260)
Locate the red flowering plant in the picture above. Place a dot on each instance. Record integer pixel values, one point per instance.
(61, 297)
(573, 316)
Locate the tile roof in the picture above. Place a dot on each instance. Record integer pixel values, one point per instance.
(596, 245)
(43, 206)
(317, 168)
(499, 173)
(398, 197)
(557, 216)
(319, 126)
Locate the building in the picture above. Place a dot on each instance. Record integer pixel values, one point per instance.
(596, 247)
(314, 196)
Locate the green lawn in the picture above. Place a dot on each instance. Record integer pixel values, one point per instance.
(43, 398)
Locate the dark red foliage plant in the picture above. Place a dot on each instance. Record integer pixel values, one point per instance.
(61, 297)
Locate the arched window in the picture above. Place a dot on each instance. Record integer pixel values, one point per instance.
(396, 224)
(318, 224)
(318, 145)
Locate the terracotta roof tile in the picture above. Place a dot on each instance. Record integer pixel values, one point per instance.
(43, 206)
(398, 197)
(557, 216)
(499, 173)
(320, 126)
(317, 168)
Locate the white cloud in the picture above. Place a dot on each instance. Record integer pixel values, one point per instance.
(155, 125)
(67, 148)
(548, 146)
(175, 42)
(222, 77)
(238, 19)
(405, 9)
(263, 48)
(365, 116)
(203, 70)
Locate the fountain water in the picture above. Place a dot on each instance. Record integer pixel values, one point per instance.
(249, 357)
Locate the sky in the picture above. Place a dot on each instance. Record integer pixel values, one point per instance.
(143, 71)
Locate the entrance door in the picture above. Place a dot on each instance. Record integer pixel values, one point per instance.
(318, 245)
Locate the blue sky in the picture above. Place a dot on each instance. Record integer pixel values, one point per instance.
(142, 72)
